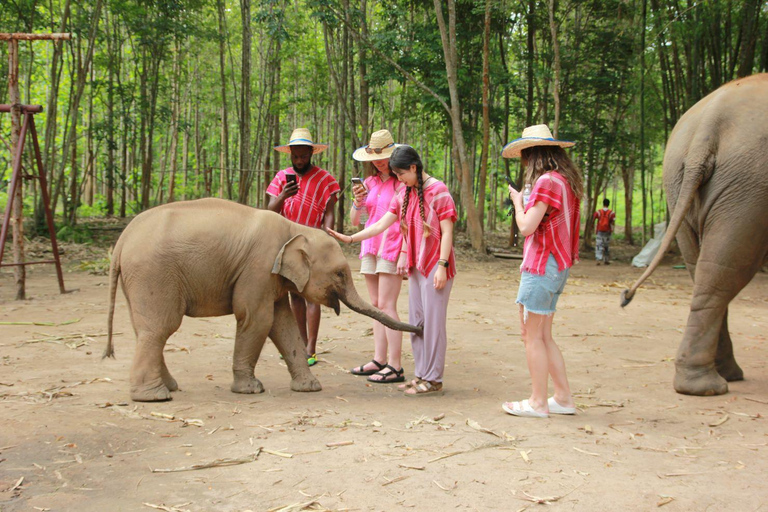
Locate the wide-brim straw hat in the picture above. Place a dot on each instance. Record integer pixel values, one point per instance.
(301, 137)
(538, 135)
(379, 147)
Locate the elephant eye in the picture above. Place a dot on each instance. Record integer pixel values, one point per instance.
(340, 274)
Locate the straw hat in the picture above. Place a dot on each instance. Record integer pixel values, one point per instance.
(380, 147)
(301, 137)
(538, 135)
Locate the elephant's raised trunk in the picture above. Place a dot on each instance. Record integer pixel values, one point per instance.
(353, 300)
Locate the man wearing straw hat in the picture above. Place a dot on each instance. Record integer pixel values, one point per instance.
(305, 194)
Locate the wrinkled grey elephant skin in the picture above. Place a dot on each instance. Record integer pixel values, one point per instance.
(211, 257)
(716, 181)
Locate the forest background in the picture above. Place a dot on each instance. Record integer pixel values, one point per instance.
(155, 101)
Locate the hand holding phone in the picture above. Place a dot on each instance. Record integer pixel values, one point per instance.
(358, 181)
(291, 185)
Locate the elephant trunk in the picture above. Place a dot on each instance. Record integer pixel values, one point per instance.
(354, 302)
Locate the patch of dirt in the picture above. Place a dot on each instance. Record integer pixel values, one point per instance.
(68, 427)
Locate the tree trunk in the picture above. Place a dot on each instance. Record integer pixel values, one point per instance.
(556, 48)
(224, 152)
(448, 38)
(245, 102)
(486, 111)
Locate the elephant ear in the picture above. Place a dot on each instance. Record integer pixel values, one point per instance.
(292, 262)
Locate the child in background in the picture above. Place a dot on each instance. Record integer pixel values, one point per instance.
(550, 224)
(427, 213)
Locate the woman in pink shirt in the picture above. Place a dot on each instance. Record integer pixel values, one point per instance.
(550, 223)
(426, 212)
(379, 256)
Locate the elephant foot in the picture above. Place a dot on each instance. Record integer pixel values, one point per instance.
(306, 384)
(247, 385)
(170, 382)
(730, 370)
(699, 381)
(148, 393)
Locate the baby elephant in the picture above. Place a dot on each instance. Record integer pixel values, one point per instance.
(211, 257)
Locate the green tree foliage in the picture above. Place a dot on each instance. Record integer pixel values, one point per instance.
(159, 115)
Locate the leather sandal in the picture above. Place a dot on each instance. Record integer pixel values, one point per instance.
(426, 387)
(359, 370)
(388, 377)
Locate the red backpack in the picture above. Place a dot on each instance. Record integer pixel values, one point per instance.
(604, 218)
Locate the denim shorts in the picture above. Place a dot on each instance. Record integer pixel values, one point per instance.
(539, 293)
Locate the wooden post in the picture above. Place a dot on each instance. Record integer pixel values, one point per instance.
(13, 39)
(19, 272)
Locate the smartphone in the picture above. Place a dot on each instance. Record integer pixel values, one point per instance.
(358, 181)
(290, 179)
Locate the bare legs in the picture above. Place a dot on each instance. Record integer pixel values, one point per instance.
(544, 359)
(308, 317)
(384, 290)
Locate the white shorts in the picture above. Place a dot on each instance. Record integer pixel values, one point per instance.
(371, 265)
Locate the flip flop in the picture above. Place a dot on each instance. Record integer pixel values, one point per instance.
(556, 408)
(359, 370)
(522, 409)
(388, 377)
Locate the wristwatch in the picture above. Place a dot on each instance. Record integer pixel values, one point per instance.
(443, 263)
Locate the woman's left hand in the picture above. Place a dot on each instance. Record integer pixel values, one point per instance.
(341, 237)
(441, 277)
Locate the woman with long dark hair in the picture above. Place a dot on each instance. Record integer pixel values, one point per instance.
(427, 213)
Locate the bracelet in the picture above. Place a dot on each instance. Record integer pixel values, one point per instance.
(443, 263)
(354, 205)
(403, 251)
(350, 239)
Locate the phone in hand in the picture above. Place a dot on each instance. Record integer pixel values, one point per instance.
(290, 179)
(358, 181)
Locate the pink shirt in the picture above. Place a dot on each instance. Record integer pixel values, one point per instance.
(558, 234)
(387, 244)
(307, 207)
(423, 253)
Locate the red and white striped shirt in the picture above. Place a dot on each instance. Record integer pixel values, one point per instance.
(423, 253)
(559, 234)
(307, 207)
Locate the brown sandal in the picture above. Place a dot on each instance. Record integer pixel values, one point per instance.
(409, 384)
(425, 387)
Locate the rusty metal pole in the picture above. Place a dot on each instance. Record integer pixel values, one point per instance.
(19, 272)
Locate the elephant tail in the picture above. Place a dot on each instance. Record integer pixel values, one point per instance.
(699, 165)
(114, 275)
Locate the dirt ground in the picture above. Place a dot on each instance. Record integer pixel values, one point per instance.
(71, 439)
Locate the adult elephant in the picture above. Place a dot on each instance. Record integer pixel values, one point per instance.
(716, 181)
(211, 257)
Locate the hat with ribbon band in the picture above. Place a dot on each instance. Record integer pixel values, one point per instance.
(301, 137)
(538, 135)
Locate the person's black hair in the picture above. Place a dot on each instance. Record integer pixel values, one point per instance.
(606, 202)
(403, 157)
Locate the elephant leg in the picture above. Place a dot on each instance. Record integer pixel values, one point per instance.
(150, 379)
(725, 362)
(155, 317)
(252, 330)
(720, 273)
(285, 335)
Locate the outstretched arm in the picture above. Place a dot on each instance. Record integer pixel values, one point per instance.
(380, 226)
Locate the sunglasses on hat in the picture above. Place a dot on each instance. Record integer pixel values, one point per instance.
(370, 150)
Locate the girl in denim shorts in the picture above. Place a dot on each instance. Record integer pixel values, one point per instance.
(550, 223)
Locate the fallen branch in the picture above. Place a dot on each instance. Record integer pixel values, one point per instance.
(213, 464)
(176, 508)
(43, 324)
(476, 448)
